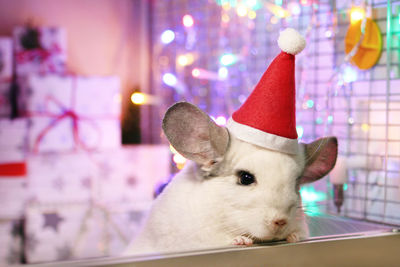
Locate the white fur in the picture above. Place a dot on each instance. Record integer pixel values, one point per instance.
(196, 213)
(291, 41)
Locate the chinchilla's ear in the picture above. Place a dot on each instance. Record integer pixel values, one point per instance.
(320, 158)
(194, 135)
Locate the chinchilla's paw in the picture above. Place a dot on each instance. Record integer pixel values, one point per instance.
(293, 237)
(242, 240)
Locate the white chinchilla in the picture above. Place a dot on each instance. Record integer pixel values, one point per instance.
(231, 192)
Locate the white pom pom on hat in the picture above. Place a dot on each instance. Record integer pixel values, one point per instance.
(291, 42)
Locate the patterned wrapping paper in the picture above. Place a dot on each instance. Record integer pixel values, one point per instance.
(13, 140)
(70, 112)
(40, 50)
(5, 105)
(67, 231)
(131, 173)
(124, 174)
(6, 59)
(13, 190)
(13, 186)
(11, 251)
(13, 197)
(60, 177)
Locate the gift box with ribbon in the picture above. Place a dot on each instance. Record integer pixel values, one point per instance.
(68, 113)
(40, 50)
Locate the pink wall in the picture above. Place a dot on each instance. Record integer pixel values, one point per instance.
(105, 37)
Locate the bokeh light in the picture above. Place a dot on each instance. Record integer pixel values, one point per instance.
(167, 36)
(169, 79)
(252, 14)
(187, 21)
(241, 10)
(179, 159)
(220, 120)
(228, 59)
(223, 72)
(195, 72)
(185, 60)
(356, 14)
(349, 74)
(300, 131)
(138, 98)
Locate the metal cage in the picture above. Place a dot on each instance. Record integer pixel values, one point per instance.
(361, 108)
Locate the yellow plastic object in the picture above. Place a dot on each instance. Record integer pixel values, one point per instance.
(370, 49)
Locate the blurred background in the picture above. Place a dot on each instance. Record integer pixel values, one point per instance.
(84, 86)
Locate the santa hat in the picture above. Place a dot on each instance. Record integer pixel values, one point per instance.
(268, 117)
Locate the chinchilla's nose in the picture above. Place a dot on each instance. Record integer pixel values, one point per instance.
(280, 222)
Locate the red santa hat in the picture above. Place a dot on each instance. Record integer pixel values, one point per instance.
(268, 117)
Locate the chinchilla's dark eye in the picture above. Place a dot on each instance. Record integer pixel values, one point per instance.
(245, 178)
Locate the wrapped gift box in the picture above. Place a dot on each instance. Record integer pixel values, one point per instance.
(11, 233)
(124, 174)
(6, 59)
(13, 197)
(70, 112)
(13, 184)
(77, 230)
(83, 204)
(40, 50)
